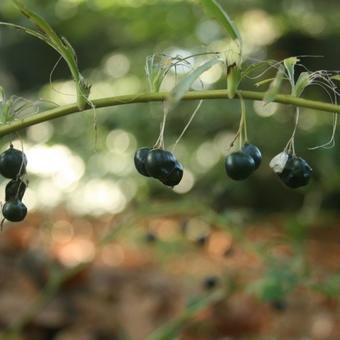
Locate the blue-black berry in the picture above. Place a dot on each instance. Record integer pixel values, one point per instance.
(15, 189)
(296, 173)
(279, 305)
(12, 163)
(202, 240)
(140, 159)
(254, 152)
(210, 282)
(175, 176)
(160, 163)
(150, 237)
(239, 165)
(14, 211)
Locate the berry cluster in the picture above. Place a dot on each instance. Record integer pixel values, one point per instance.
(292, 170)
(241, 164)
(13, 165)
(160, 164)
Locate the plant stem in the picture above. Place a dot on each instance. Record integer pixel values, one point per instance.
(155, 97)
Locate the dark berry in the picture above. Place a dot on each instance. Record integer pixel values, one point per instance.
(12, 163)
(239, 165)
(14, 211)
(174, 177)
(254, 152)
(296, 172)
(15, 189)
(160, 163)
(210, 282)
(279, 305)
(140, 159)
(150, 237)
(202, 240)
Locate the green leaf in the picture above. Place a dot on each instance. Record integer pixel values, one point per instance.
(279, 280)
(183, 86)
(28, 31)
(171, 329)
(303, 81)
(275, 85)
(289, 64)
(215, 9)
(40, 23)
(329, 287)
(46, 33)
(156, 68)
(336, 77)
(6, 110)
(2, 94)
(68, 45)
(271, 290)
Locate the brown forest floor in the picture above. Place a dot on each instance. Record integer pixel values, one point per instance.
(59, 281)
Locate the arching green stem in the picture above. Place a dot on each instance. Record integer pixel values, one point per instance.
(151, 97)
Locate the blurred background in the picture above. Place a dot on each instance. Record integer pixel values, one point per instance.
(105, 253)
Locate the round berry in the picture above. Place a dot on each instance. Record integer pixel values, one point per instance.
(15, 189)
(202, 240)
(14, 211)
(160, 163)
(210, 282)
(174, 177)
(239, 165)
(140, 159)
(150, 237)
(12, 163)
(296, 173)
(254, 152)
(279, 305)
